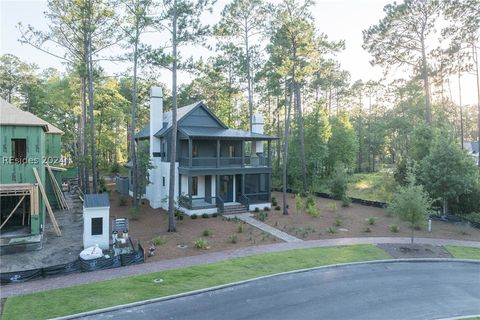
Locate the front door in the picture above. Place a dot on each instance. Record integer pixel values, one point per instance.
(226, 188)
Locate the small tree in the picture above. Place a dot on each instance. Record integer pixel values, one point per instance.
(143, 166)
(338, 185)
(299, 203)
(411, 204)
(447, 172)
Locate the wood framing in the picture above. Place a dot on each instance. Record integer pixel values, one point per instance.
(47, 203)
(13, 211)
(56, 189)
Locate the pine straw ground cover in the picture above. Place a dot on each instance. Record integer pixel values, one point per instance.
(356, 220)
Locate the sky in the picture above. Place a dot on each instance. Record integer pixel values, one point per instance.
(339, 19)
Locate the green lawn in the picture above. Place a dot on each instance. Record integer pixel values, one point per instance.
(464, 252)
(60, 302)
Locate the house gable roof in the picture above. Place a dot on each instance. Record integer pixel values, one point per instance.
(182, 114)
(13, 116)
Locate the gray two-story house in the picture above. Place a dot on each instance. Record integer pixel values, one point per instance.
(217, 169)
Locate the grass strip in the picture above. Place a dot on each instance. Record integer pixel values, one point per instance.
(65, 301)
(464, 252)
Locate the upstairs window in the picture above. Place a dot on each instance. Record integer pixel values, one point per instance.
(231, 151)
(19, 150)
(195, 150)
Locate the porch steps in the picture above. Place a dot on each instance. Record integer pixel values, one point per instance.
(234, 209)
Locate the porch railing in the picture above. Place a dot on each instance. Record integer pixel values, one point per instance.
(261, 197)
(244, 200)
(196, 202)
(211, 162)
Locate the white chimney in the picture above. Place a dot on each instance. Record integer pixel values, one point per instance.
(257, 127)
(156, 118)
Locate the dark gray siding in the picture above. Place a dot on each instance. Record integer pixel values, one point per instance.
(199, 118)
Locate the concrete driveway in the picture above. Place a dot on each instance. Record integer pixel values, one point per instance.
(392, 290)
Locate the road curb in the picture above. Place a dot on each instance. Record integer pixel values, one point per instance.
(233, 284)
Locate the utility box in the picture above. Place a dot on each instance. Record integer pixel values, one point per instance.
(96, 215)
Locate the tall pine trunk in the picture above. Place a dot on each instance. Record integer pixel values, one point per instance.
(426, 83)
(173, 149)
(249, 79)
(86, 175)
(475, 57)
(133, 149)
(285, 147)
(90, 99)
(298, 99)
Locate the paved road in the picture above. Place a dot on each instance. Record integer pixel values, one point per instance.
(396, 290)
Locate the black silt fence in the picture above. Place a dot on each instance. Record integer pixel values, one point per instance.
(76, 266)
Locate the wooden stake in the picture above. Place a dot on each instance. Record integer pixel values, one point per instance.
(54, 186)
(11, 213)
(57, 189)
(47, 204)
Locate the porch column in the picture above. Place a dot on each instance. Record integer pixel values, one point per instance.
(269, 153)
(218, 153)
(190, 150)
(243, 184)
(270, 187)
(243, 153)
(217, 185)
(190, 189)
(179, 184)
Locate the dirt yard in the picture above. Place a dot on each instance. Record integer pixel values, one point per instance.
(338, 222)
(153, 223)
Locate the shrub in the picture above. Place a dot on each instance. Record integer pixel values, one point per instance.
(474, 217)
(115, 168)
(102, 187)
(206, 233)
(122, 202)
(266, 209)
(311, 200)
(333, 206)
(233, 238)
(257, 209)
(371, 221)
(158, 241)
(332, 230)
(178, 215)
(201, 244)
(194, 216)
(394, 228)
(367, 229)
(299, 203)
(338, 185)
(214, 215)
(313, 211)
(205, 216)
(278, 208)
(240, 228)
(338, 222)
(346, 201)
(262, 215)
(134, 213)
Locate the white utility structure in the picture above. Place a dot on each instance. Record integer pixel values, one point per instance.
(96, 214)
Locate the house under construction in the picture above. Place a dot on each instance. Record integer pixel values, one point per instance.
(29, 178)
